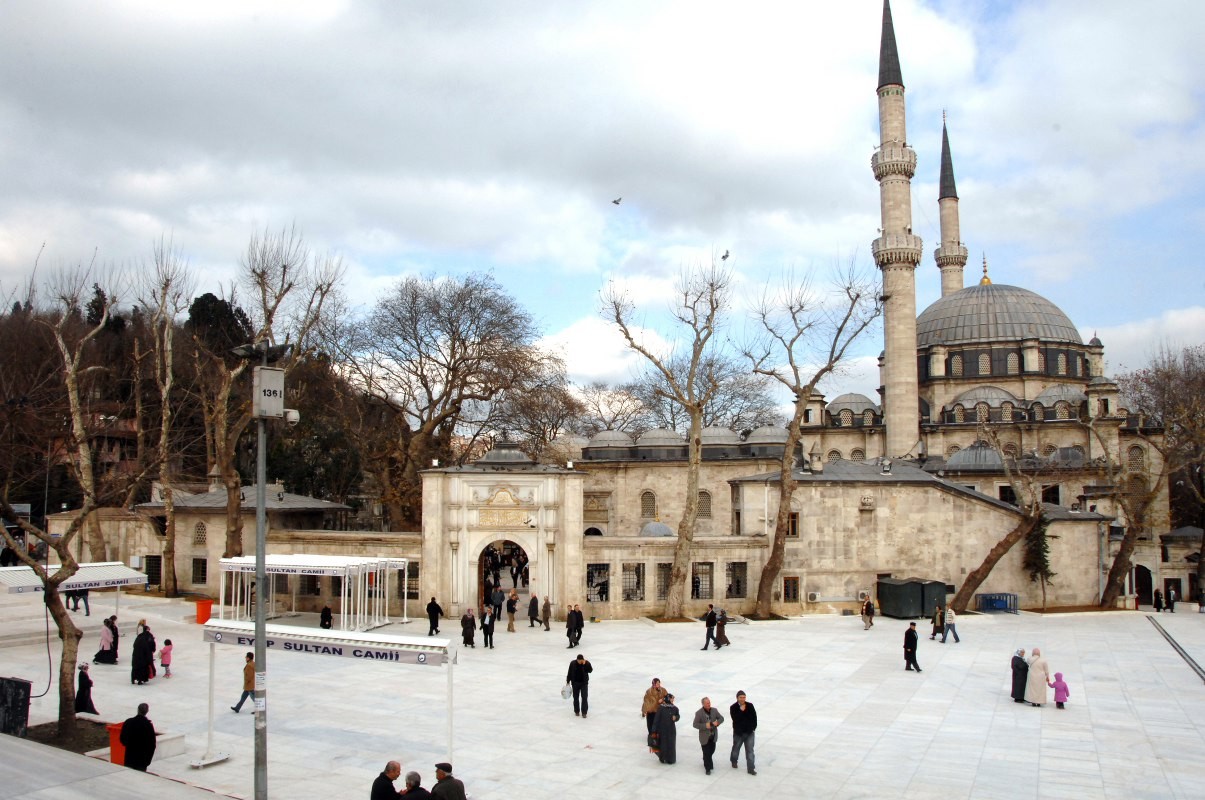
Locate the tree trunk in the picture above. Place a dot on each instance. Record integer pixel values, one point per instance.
(170, 586)
(782, 520)
(234, 516)
(1029, 522)
(1115, 582)
(70, 636)
(97, 547)
(675, 599)
(1043, 582)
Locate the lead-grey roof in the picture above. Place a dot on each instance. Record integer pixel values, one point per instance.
(1061, 391)
(979, 456)
(993, 312)
(994, 396)
(611, 439)
(768, 434)
(855, 402)
(947, 187)
(717, 435)
(889, 55)
(660, 437)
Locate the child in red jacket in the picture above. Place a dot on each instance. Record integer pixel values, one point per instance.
(1061, 691)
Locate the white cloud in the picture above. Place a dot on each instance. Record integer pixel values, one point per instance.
(1132, 345)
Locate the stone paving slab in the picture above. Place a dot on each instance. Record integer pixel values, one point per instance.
(838, 715)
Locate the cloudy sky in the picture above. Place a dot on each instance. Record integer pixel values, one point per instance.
(437, 137)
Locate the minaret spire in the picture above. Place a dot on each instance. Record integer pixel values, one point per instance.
(951, 256)
(896, 252)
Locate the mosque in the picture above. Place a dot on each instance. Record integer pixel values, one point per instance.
(912, 484)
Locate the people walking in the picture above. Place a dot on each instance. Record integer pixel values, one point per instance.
(512, 606)
(248, 683)
(911, 638)
(546, 613)
(382, 787)
(721, 627)
(938, 621)
(665, 730)
(1158, 601)
(868, 614)
(1171, 600)
(533, 612)
(1020, 675)
(744, 727)
(1038, 679)
(949, 626)
(1061, 690)
(165, 658)
(83, 692)
(467, 627)
(497, 598)
(446, 787)
(709, 620)
(434, 612)
(571, 627)
(487, 627)
(138, 738)
(107, 654)
(707, 722)
(578, 677)
(652, 701)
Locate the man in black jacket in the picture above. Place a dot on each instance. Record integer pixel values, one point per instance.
(382, 787)
(578, 677)
(910, 640)
(434, 612)
(744, 723)
(709, 621)
(533, 611)
(138, 738)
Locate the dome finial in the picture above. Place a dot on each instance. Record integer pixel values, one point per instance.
(985, 280)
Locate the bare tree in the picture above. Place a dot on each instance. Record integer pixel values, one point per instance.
(741, 400)
(804, 336)
(72, 337)
(538, 412)
(612, 408)
(702, 300)
(429, 357)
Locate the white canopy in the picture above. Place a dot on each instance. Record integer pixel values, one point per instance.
(98, 575)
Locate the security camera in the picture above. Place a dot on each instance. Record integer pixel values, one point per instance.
(292, 417)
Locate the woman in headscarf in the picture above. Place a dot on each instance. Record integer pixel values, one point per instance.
(107, 654)
(143, 658)
(83, 692)
(468, 628)
(1020, 675)
(721, 622)
(1038, 679)
(666, 730)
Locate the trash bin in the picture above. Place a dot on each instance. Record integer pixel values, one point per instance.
(14, 705)
(117, 751)
(204, 609)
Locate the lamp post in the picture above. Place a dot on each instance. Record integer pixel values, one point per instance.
(267, 401)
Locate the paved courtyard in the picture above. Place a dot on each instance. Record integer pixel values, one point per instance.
(838, 715)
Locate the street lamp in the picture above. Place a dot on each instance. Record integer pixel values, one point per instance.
(267, 402)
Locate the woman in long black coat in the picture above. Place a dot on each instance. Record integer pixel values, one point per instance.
(83, 692)
(1020, 676)
(468, 626)
(667, 731)
(144, 657)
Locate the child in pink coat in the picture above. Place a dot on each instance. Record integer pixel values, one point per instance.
(1061, 691)
(165, 658)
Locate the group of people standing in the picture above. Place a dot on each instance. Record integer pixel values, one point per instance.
(661, 718)
(469, 622)
(1170, 603)
(446, 787)
(142, 661)
(1031, 679)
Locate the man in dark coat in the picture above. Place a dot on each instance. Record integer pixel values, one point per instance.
(143, 657)
(487, 626)
(1020, 676)
(446, 787)
(664, 726)
(546, 612)
(707, 722)
(326, 618)
(533, 611)
(579, 624)
(434, 612)
(382, 787)
(910, 640)
(744, 729)
(571, 627)
(467, 627)
(709, 621)
(414, 789)
(497, 598)
(578, 677)
(138, 738)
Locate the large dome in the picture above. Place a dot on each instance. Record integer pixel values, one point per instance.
(993, 313)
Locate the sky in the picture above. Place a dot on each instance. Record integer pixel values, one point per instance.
(445, 138)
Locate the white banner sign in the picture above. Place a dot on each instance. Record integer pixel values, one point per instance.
(369, 651)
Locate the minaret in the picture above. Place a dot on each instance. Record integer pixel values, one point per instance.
(896, 252)
(951, 257)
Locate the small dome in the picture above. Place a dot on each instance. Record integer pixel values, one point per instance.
(856, 403)
(660, 437)
(610, 439)
(769, 434)
(505, 454)
(992, 395)
(657, 529)
(993, 313)
(1095, 342)
(1061, 391)
(980, 455)
(718, 435)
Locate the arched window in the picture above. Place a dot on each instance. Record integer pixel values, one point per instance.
(705, 504)
(1077, 448)
(960, 414)
(952, 450)
(1136, 459)
(200, 535)
(985, 364)
(868, 417)
(982, 414)
(857, 455)
(648, 505)
(1039, 413)
(834, 455)
(1042, 361)
(1014, 364)
(956, 366)
(847, 417)
(1006, 412)
(1060, 364)
(1062, 410)
(1010, 450)
(1048, 450)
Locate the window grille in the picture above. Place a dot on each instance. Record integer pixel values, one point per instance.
(960, 414)
(200, 571)
(982, 414)
(790, 590)
(1062, 410)
(985, 364)
(1006, 412)
(664, 573)
(847, 417)
(735, 579)
(705, 505)
(199, 535)
(633, 581)
(702, 577)
(1014, 364)
(833, 455)
(857, 455)
(1061, 364)
(648, 505)
(598, 582)
(1136, 459)
(956, 366)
